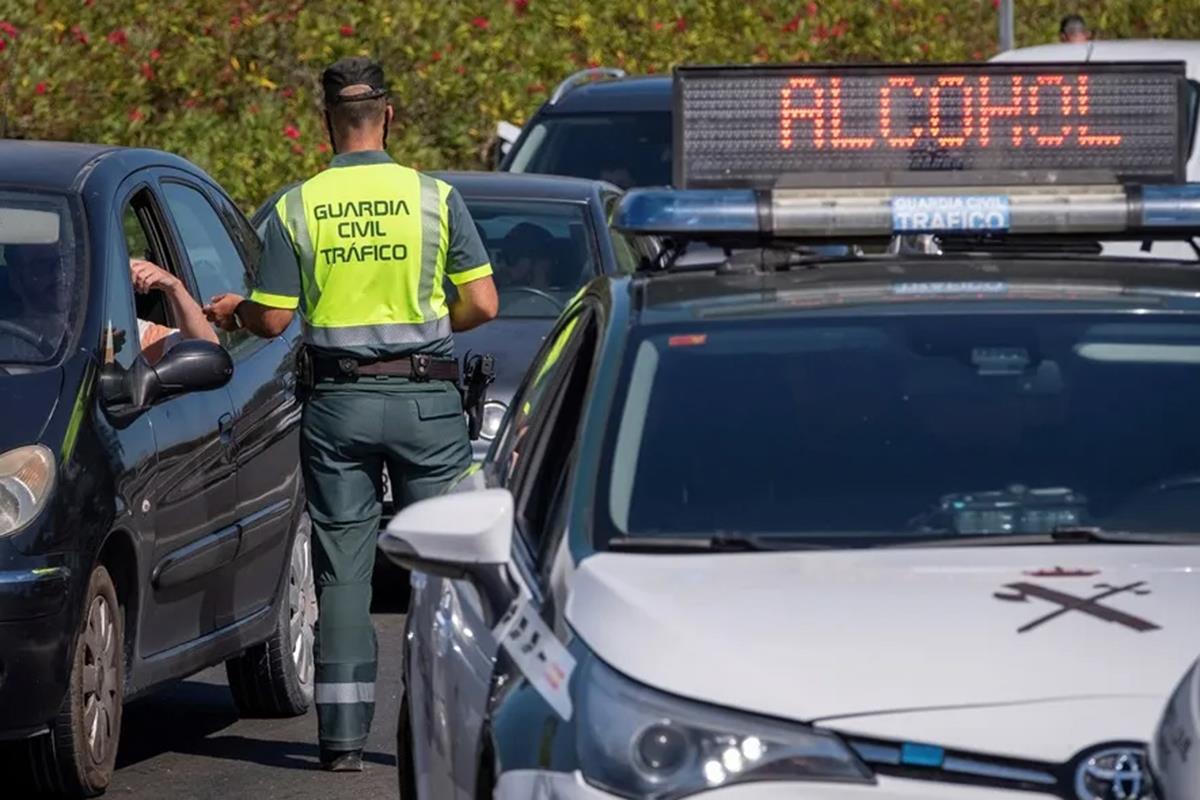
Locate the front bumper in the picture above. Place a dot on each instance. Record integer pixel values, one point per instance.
(35, 638)
(540, 785)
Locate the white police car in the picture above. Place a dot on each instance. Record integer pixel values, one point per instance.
(914, 526)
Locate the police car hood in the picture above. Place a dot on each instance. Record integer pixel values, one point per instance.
(995, 648)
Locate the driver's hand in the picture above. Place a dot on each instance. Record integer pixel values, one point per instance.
(147, 277)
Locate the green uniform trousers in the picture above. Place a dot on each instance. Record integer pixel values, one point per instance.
(350, 432)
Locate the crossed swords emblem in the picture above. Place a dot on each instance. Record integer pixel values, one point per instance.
(1021, 591)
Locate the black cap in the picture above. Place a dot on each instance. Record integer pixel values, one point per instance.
(355, 71)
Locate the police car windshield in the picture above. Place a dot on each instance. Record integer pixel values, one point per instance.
(874, 430)
(39, 277)
(541, 251)
(626, 149)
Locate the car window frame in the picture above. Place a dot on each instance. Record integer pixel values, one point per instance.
(249, 344)
(519, 481)
(158, 226)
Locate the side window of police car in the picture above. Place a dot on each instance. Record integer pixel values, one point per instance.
(217, 262)
(536, 457)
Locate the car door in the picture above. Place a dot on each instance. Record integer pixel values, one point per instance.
(220, 249)
(450, 692)
(190, 504)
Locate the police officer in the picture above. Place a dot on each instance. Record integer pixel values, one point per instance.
(363, 249)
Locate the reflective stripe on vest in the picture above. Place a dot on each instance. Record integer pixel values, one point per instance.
(371, 241)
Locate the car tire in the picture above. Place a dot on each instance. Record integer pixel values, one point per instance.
(275, 678)
(405, 763)
(77, 757)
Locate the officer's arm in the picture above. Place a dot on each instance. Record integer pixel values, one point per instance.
(477, 303)
(469, 269)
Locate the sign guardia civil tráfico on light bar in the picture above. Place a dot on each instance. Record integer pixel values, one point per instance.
(751, 126)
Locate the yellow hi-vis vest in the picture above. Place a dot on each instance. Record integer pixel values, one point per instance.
(371, 241)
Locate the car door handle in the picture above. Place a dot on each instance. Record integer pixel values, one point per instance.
(225, 431)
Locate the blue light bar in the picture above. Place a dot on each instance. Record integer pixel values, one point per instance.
(1171, 206)
(695, 212)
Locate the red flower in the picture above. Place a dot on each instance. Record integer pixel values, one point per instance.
(40, 88)
(977, 55)
(812, 9)
(8, 29)
(135, 115)
(322, 148)
(840, 28)
(680, 25)
(80, 35)
(191, 102)
(235, 22)
(792, 25)
(288, 92)
(460, 69)
(436, 55)
(298, 149)
(291, 132)
(822, 33)
(118, 38)
(658, 26)
(253, 109)
(347, 30)
(520, 6)
(3, 44)
(155, 55)
(996, 4)
(481, 23)
(147, 71)
(592, 64)
(940, 19)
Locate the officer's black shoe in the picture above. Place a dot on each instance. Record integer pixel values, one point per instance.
(341, 761)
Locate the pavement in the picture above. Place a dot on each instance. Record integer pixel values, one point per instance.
(186, 741)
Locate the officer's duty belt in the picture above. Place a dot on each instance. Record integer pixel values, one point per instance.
(418, 367)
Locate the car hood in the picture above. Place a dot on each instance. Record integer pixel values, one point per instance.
(844, 637)
(29, 402)
(514, 343)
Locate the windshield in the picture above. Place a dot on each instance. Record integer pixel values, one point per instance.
(862, 431)
(626, 149)
(39, 277)
(542, 253)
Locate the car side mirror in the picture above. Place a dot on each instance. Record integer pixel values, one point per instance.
(458, 535)
(193, 365)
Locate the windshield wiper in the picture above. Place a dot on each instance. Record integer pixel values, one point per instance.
(721, 543)
(1064, 534)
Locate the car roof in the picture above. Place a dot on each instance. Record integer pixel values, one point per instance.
(636, 94)
(664, 297)
(53, 166)
(526, 186)
(1112, 50)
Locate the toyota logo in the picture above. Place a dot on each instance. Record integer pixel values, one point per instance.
(1116, 774)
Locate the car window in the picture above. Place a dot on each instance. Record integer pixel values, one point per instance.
(528, 400)
(144, 237)
(548, 414)
(624, 148)
(217, 264)
(883, 428)
(41, 277)
(542, 252)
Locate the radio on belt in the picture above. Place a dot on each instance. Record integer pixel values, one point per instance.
(848, 153)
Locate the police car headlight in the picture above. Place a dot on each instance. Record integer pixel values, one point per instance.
(493, 415)
(26, 478)
(638, 742)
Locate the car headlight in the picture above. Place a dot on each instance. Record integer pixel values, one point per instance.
(26, 477)
(641, 743)
(493, 415)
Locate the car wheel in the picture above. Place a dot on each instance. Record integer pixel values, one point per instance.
(405, 763)
(275, 678)
(76, 758)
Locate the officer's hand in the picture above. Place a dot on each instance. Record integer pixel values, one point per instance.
(219, 311)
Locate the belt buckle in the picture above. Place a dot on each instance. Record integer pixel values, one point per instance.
(420, 367)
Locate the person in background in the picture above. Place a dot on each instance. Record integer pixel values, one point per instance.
(1074, 30)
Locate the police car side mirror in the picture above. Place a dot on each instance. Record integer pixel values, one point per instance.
(459, 535)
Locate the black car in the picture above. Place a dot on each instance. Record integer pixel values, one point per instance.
(617, 130)
(151, 511)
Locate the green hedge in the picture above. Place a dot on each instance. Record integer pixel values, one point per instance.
(232, 84)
